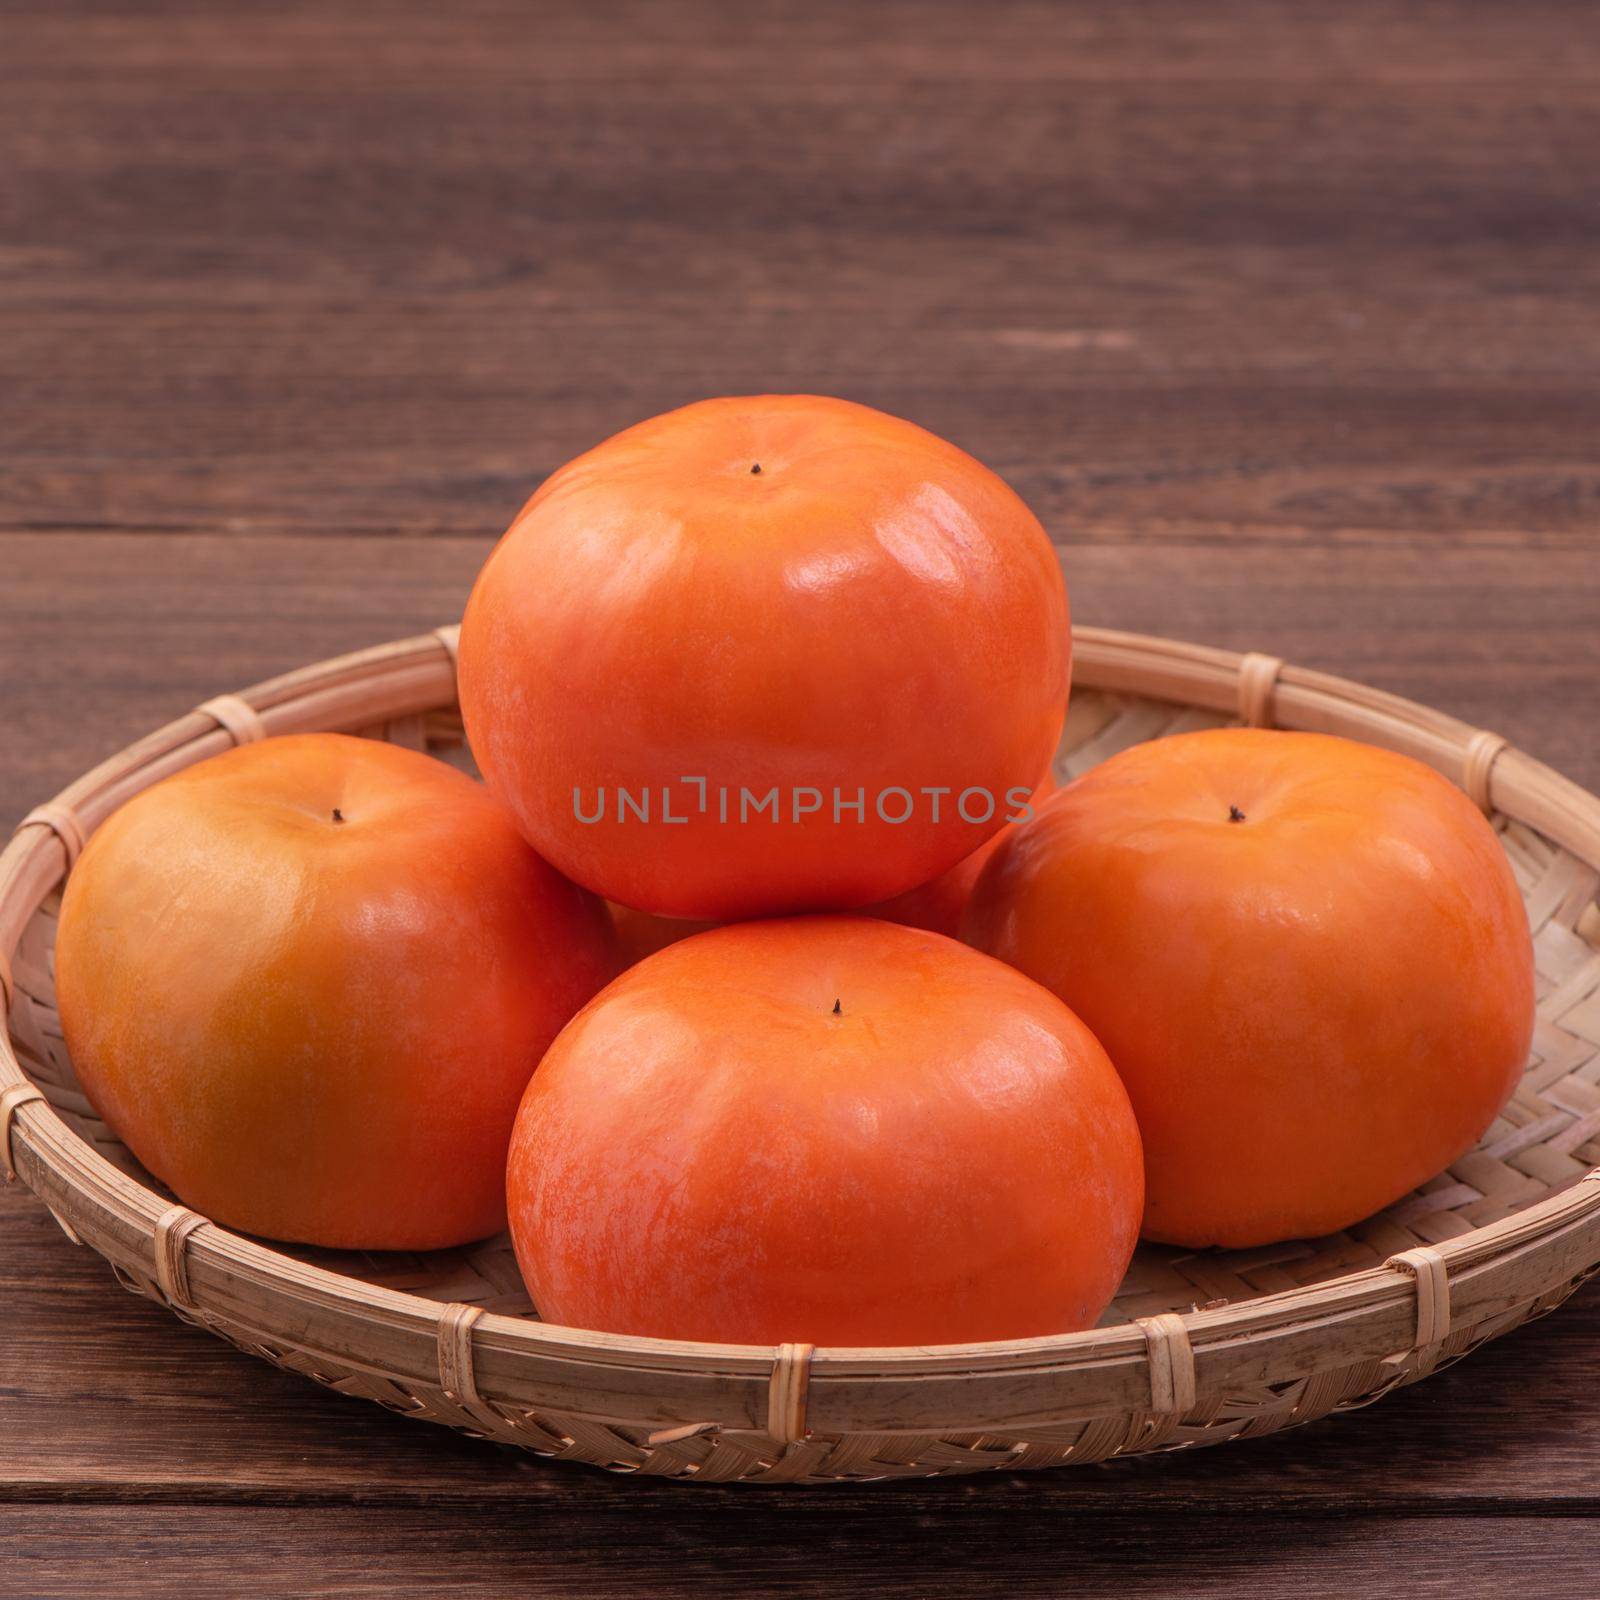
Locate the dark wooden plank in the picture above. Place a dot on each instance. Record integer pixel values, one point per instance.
(303, 266)
(103, 1396)
(794, 1545)
(103, 636)
(1281, 315)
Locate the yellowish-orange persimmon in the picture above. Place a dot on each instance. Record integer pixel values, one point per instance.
(306, 982)
(1307, 958)
(824, 1129)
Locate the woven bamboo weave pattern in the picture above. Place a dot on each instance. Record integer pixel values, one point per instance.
(1415, 1287)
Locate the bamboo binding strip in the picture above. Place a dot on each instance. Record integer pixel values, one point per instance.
(63, 823)
(1171, 1357)
(1258, 680)
(238, 716)
(1282, 1335)
(171, 1236)
(457, 1375)
(12, 1100)
(1483, 750)
(1427, 1266)
(786, 1393)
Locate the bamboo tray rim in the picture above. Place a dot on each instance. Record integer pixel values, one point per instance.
(1267, 1337)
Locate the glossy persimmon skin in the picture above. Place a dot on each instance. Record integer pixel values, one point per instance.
(711, 1151)
(936, 905)
(1315, 1007)
(873, 609)
(318, 1028)
(939, 904)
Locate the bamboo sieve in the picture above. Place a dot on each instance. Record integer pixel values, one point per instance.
(1198, 1348)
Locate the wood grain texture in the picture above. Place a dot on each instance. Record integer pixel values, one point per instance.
(114, 632)
(104, 635)
(1281, 315)
(108, 1399)
(382, 265)
(775, 1553)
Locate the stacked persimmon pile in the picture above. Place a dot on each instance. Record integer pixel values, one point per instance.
(765, 985)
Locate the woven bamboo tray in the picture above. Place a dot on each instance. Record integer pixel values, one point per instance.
(1198, 1348)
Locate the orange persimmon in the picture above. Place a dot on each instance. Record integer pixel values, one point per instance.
(1307, 958)
(824, 1129)
(306, 982)
(642, 933)
(784, 601)
(936, 905)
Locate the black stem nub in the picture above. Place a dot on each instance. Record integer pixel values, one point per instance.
(838, 1009)
(338, 815)
(1235, 814)
(755, 470)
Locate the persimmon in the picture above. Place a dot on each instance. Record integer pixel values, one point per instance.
(642, 933)
(824, 1129)
(1307, 957)
(766, 654)
(306, 983)
(936, 905)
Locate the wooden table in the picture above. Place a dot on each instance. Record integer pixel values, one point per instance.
(1282, 316)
